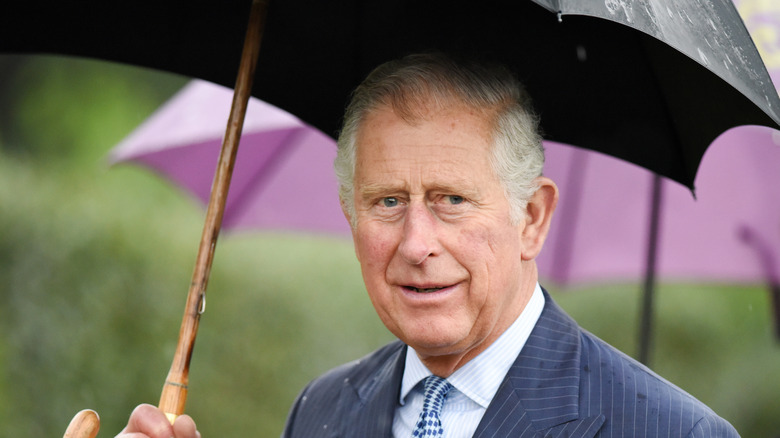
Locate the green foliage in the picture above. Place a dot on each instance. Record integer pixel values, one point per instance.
(95, 265)
(67, 113)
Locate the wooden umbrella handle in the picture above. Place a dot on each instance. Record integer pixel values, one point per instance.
(85, 424)
(174, 392)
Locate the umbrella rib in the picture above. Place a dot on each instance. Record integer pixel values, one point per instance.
(263, 174)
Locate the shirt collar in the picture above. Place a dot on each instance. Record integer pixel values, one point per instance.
(480, 378)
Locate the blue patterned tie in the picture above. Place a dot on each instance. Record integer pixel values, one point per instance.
(429, 423)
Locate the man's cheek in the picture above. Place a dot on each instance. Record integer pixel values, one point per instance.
(376, 251)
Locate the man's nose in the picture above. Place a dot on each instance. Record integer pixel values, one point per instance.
(420, 240)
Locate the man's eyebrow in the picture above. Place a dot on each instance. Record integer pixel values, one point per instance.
(454, 189)
(373, 190)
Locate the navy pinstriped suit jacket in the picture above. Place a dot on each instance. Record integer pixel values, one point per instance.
(565, 383)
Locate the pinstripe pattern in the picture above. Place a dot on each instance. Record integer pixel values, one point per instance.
(565, 383)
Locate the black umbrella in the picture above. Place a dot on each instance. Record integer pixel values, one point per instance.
(651, 81)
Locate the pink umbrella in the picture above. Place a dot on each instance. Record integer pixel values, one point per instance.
(618, 222)
(283, 177)
(729, 232)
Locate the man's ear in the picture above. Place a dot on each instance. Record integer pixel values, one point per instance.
(539, 213)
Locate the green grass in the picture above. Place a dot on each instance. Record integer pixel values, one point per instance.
(95, 292)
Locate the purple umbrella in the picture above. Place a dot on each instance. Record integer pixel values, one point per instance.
(617, 221)
(729, 232)
(283, 170)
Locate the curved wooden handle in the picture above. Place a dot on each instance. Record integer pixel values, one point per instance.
(85, 424)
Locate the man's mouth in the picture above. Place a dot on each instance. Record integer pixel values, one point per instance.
(423, 290)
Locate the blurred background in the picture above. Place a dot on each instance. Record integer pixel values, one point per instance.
(95, 263)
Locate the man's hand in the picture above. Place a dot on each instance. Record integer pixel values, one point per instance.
(148, 421)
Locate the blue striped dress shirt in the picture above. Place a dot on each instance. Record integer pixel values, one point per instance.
(474, 384)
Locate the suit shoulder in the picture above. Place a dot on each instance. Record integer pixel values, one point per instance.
(355, 371)
(637, 395)
(633, 399)
(331, 398)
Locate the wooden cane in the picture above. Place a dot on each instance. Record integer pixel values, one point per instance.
(174, 392)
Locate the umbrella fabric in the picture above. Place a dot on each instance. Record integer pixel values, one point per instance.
(283, 177)
(635, 230)
(730, 232)
(649, 81)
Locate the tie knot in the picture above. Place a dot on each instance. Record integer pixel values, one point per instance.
(436, 389)
(429, 423)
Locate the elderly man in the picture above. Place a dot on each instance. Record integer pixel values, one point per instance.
(440, 170)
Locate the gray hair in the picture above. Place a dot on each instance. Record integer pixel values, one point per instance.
(418, 82)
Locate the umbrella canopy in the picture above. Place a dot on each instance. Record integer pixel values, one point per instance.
(730, 235)
(619, 222)
(730, 232)
(283, 178)
(650, 81)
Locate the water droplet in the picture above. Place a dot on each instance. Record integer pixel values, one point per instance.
(612, 5)
(703, 57)
(776, 137)
(582, 54)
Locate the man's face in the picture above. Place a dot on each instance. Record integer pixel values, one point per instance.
(440, 257)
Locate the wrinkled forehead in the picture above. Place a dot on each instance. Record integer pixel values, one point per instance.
(415, 113)
(440, 130)
(416, 104)
(431, 139)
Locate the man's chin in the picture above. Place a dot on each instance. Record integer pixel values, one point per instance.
(438, 346)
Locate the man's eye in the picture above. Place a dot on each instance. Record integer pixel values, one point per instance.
(390, 202)
(455, 199)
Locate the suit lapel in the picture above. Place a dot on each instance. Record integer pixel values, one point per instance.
(370, 401)
(540, 394)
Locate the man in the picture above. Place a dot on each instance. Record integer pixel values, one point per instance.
(440, 170)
